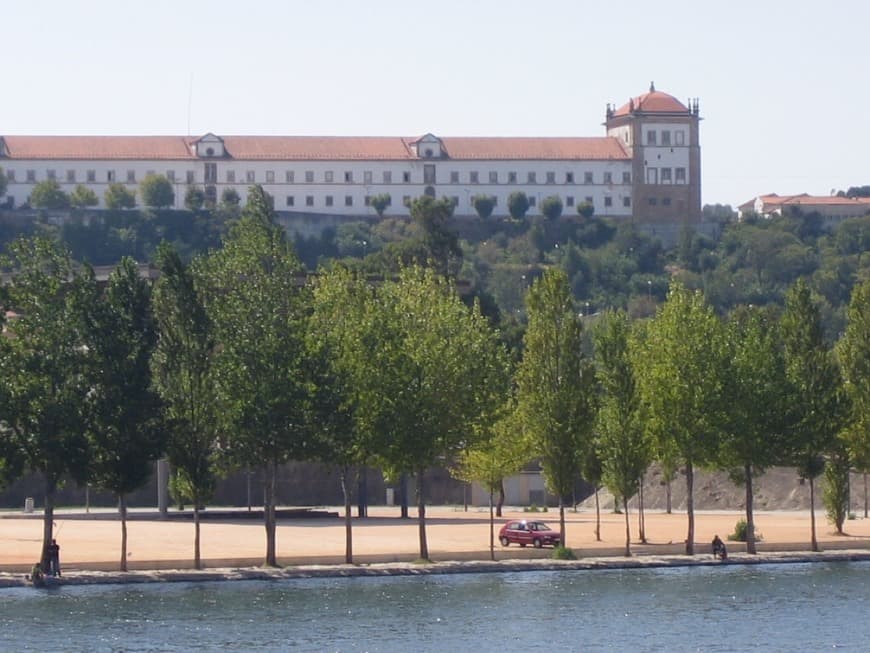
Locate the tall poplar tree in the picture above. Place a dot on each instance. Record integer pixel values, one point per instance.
(556, 385)
(254, 298)
(680, 367)
(181, 366)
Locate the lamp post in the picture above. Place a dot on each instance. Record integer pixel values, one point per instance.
(649, 289)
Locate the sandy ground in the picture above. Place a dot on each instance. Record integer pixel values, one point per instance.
(453, 534)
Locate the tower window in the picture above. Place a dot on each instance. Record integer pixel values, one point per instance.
(587, 178)
(651, 137)
(626, 177)
(679, 137)
(666, 137)
(680, 175)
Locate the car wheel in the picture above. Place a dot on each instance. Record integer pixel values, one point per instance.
(504, 541)
(537, 543)
(523, 544)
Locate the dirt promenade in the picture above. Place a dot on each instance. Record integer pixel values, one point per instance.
(93, 543)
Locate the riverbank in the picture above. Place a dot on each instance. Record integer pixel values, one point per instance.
(161, 550)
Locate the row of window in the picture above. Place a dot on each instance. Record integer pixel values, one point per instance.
(210, 177)
(666, 175)
(664, 137)
(329, 200)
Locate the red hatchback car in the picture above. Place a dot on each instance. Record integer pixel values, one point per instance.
(536, 533)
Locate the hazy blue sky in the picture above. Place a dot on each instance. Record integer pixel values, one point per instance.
(783, 85)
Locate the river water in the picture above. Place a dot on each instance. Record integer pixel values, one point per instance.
(790, 607)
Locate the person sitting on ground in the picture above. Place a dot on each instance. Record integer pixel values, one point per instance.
(719, 548)
(36, 576)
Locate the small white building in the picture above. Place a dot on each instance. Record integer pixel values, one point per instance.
(833, 209)
(646, 167)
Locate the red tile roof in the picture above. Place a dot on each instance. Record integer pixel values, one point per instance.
(284, 148)
(652, 102)
(773, 201)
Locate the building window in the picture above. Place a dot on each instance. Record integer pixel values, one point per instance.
(289, 176)
(569, 177)
(679, 137)
(367, 200)
(608, 177)
(493, 177)
(309, 176)
(587, 178)
(455, 201)
(388, 177)
(329, 200)
(270, 177)
(406, 177)
(231, 176)
(569, 200)
(680, 175)
(327, 177)
(191, 176)
(666, 175)
(512, 177)
(532, 199)
(406, 200)
(551, 177)
(291, 200)
(652, 201)
(652, 175)
(10, 176)
(31, 176)
(666, 201)
(110, 176)
(472, 177)
(666, 137)
(651, 137)
(454, 177)
(348, 177)
(70, 176)
(211, 173)
(131, 176)
(608, 201)
(626, 177)
(429, 174)
(92, 176)
(532, 178)
(309, 200)
(367, 177)
(348, 200)
(626, 201)
(250, 177)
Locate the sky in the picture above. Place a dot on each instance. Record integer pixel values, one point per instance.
(782, 85)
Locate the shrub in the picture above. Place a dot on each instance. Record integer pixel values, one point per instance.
(563, 553)
(739, 534)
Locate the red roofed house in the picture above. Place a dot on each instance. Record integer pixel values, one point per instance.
(833, 209)
(646, 167)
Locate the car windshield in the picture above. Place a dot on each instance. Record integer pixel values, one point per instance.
(540, 527)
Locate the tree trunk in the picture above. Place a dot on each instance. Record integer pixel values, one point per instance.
(403, 490)
(47, 523)
(668, 497)
(598, 517)
(197, 560)
(641, 513)
(750, 515)
(690, 508)
(500, 498)
(814, 545)
(562, 534)
(627, 529)
(122, 508)
(269, 513)
(363, 493)
(491, 527)
(421, 516)
(348, 508)
(865, 495)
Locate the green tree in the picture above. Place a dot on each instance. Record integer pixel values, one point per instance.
(194, 198)
(4, 182)
(43, 375)
(816, 399)
(680, 368)
(483, 204)
(585, 209)
(556, 385)
(253, 298)
(425, 392)
(835, 496)
(117, 196)
(518, 204)
(48, 195)
(439, 240)
(551, 207)
(124, 426)
(181, 367)
(753, 439)
(156, 191)
(83, 197)
(621, 442)
(380, 203)
(853, 352)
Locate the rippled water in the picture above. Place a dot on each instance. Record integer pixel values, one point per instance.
(805, 607)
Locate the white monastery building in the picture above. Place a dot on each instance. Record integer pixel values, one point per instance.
(647, 167)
